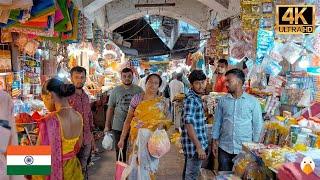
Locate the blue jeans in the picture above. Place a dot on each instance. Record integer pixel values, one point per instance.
(225, 160)
(192, 168)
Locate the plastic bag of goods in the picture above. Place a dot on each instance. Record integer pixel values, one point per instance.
(206, 174)
(107, 142)
(159, 143)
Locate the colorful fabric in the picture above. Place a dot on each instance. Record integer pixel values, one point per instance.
(292, 171)
(236, 121)
(193, 114)
(143, 164)
(64, 165)
(68, 145)
(148, 115)
(80, 103)
(49, 134)
(72, 169)
(62, 25)
(42, 7)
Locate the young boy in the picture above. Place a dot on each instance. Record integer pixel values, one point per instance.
(194, 131)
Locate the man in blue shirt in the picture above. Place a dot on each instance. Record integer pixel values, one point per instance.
(194, 131)
(238, 119)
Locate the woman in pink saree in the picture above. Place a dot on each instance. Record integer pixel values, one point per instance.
(62, 130)
(6, 116)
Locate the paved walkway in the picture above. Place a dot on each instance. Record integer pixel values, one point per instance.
(171, 166)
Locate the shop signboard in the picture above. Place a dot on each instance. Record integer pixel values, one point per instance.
(295, 19)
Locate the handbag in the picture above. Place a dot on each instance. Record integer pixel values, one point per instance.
(120, 166)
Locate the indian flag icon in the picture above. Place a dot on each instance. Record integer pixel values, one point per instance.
(29, 160)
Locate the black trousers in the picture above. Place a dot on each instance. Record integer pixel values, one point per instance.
(225, 160)
(117, 135)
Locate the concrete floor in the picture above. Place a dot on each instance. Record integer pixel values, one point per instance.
(171, 166)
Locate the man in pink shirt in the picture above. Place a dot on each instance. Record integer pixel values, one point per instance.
(80, 102)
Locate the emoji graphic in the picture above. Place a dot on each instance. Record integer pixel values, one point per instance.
(307, 165)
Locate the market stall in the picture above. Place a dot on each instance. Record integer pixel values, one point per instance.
(286, 85)
(45, 39)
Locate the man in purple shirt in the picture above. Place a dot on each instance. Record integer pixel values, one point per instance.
(80, 102)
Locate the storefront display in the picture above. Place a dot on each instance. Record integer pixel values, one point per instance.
(45, 39)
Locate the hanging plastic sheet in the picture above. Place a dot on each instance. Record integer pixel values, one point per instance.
(271, 66)
(295, 52)
(265, 42)
(275, 53)
(233, 61)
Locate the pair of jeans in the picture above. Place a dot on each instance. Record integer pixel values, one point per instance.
(225, 160)
(117, 135)
(84, 158)
(192, 166)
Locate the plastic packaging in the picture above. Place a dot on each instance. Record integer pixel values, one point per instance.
(107, 142)
(271, 66)
(159, 143)
(295, 52)
(264, 44)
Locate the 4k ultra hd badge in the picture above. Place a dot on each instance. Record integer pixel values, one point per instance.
(295, 19)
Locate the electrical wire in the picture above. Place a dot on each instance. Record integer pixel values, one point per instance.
(136, 32)
(130, 28)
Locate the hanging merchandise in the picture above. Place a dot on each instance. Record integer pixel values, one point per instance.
(72, 36)
(265, 42)
(5, 59)
(89, 30)
(21, 41)
(271, 66)
(31, 47)
(16, 85)
(64, 24)
(253, 11)
(242, 43)
(17, 4)
(275, 53)
(295, 52)
(6, 36)
(112, 52)
(31, 69)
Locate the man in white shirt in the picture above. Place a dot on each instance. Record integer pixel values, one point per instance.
(164, 82)
(176, 86)
(142, 83)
